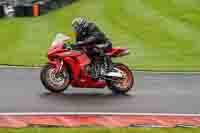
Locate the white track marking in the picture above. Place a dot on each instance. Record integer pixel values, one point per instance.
(167, 72)
(143, 71)
(94, 113)
(19, 67)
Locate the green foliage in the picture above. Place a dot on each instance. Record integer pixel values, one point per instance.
(161, 35)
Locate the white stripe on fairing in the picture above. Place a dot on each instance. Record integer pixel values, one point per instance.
(94, 113)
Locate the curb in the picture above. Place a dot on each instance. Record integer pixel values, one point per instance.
(98, 121)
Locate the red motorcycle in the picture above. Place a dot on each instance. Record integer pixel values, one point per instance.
(72, 66)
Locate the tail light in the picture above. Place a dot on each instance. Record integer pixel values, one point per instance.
(125, 52)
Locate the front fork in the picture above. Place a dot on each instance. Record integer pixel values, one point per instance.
(61, 66)
(58, 65)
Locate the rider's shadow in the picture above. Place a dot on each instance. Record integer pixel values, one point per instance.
(86, 94)
(84, 102)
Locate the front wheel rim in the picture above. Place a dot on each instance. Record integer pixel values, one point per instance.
(57, 81)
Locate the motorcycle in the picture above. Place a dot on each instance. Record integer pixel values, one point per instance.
(68, 65)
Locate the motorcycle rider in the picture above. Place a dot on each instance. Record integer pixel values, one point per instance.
(90, 36)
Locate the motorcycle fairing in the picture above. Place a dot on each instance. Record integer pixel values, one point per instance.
(77, 62)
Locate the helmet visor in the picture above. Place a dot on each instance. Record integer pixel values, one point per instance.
(77, 28)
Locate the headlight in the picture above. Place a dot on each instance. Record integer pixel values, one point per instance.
(54, 44)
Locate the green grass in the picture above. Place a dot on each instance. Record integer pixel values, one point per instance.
(100, 130)
(161, 34)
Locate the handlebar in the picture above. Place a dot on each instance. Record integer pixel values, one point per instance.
(84, 48)
(73, 46)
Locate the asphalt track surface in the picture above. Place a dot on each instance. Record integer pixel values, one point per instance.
(22, 91)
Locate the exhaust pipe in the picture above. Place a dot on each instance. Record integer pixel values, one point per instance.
(116, 74)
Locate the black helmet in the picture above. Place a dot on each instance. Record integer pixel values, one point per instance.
(79, 24)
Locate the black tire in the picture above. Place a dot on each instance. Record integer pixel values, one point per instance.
(120, 90)
(43, 77)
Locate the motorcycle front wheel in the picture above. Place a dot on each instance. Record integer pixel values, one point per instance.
(52, 81)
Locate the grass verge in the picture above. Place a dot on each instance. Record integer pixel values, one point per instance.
(161, 35)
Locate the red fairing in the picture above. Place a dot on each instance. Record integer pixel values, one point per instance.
(83, 60)
(75, 68)
(77, 60)
(73, 58)
(58, 52)
(85, 80)
(56, 49)
(88, 83)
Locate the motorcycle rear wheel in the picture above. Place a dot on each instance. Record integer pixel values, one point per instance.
(122, 86)
(54, 82)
